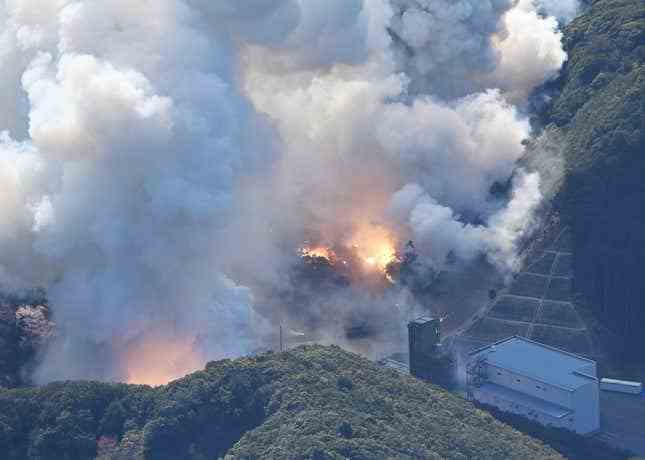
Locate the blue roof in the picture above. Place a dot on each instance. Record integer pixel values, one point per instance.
(539, 362)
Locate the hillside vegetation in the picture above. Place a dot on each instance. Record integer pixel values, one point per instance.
(313, 402)
(24, 328)
(600, 109)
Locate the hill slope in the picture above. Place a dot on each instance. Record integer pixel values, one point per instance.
(312, 402)
(600, 108)
(24, 328)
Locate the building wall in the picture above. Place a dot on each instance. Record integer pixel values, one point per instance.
(423, 340)
(587, 408)
(589, 369)
(583, 403)
(528, 386)
(514, 407)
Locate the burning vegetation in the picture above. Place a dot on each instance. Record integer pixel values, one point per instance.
(157, 360)
(318, 252)
(354, 288)
(371, 253)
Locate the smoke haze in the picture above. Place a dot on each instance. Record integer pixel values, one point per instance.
(162, 162)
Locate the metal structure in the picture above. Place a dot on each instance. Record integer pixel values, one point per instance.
(424, 336)
(428, 358)
(475, 375)
(621, 386)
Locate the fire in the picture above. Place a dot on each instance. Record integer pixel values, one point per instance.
(158, 360)
(369, 251)
(382, 257)
(318, 252)
(375, 246)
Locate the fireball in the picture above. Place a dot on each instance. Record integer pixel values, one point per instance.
(375, 246)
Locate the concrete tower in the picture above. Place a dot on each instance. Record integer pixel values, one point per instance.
(424, 335)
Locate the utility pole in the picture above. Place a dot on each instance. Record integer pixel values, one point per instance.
(281, 348)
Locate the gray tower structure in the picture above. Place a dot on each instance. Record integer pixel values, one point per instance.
(428, 361)
(424, 335)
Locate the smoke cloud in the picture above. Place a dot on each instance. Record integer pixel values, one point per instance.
(530, 51)
(444, 46)
(161, 163)
(563, 10)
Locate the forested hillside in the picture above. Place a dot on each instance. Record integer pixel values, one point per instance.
(600, 107)
(312, 402)
(24, 328)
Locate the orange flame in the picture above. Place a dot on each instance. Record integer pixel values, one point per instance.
(158, 360)
(369, 252)
(318, 251)
(375, 246)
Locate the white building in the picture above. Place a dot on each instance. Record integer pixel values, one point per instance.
(542, 383)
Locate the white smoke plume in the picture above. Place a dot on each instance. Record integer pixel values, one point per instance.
(158, 157)
(136, 137)
(444, 46)
(355, 135)
(530, 51)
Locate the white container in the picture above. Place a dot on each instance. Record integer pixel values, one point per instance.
(621, 386)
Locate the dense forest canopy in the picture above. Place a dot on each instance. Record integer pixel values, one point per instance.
(312, 402)
(600, 107)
